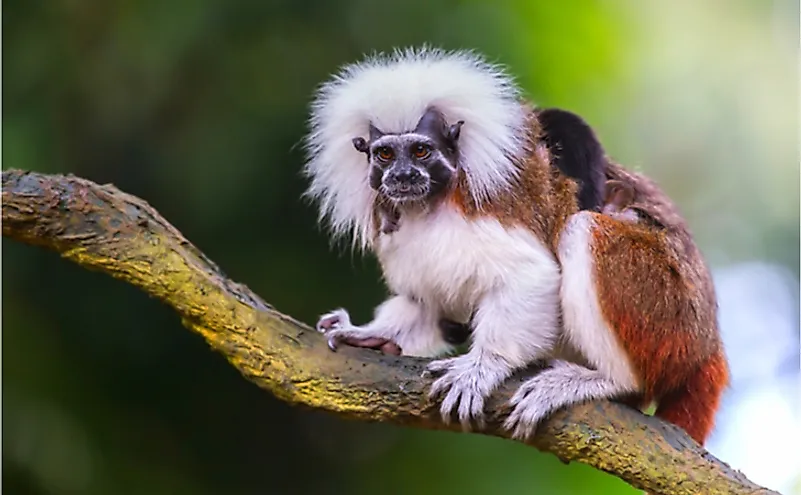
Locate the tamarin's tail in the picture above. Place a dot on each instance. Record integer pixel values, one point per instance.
(693, 406)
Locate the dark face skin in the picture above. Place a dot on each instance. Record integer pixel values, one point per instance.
(413, 166)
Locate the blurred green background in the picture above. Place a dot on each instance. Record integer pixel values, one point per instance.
(199, 106)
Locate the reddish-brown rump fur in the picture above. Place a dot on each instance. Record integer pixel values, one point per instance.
(656, 293)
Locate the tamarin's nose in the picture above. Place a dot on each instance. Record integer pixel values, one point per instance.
(407, 175)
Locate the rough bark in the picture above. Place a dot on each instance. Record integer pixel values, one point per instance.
(102, 228)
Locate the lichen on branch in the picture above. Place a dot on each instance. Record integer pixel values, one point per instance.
(102, 228)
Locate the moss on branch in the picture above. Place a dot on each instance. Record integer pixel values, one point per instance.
(102, 228)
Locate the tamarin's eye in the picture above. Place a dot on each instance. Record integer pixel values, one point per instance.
(383, 153)
(422, 151)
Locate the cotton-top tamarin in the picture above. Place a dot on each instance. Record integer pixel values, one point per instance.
(488, 213)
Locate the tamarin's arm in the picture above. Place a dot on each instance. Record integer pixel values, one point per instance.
(400, 325)
(513, 326)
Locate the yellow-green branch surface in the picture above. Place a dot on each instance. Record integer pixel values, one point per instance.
(102, 228)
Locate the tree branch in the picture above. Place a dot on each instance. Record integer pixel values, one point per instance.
(102, 228)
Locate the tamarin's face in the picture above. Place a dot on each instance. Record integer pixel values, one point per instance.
(412, 166)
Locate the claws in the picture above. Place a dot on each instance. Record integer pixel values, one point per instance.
(440, 365)
(334, 320)
(338, 329)
(463, 388)
(521, 429)
(525, 415)
(560, 385)
(331, 324)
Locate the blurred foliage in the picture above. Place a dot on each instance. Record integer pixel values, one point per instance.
(199, 107)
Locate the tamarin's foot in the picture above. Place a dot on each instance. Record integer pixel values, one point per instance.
(338, 329)
(561, 385)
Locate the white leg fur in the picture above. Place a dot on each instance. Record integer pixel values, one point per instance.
(584, 325)
(409, 324)
(586, 330)
(562, 385)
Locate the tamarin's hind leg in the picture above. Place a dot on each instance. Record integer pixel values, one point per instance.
(587, 331)
(642, 313)
(562, 384)
(655, 294)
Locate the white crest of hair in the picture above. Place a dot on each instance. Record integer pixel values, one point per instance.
(392, 92)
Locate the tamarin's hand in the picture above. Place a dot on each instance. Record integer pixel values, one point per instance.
(337, 324)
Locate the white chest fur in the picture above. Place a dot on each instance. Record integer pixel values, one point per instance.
(450, 262)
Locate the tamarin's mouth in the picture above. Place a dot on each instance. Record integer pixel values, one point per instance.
(406, 192)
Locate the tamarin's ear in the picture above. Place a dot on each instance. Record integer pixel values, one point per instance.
(577, 153)
(360, 144)
(375, 132)
(454, 131)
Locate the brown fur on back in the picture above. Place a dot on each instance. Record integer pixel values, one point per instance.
(673, 242)
(540, 199)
